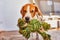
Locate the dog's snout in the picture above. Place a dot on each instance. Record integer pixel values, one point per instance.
(27, 18)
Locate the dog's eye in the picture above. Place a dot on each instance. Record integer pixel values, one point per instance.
(31, 11)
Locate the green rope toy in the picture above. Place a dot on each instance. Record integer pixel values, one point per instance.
(33, 26)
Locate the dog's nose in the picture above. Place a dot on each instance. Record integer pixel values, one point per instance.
(27, 18)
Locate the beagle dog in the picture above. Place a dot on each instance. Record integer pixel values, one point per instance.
(30, 11)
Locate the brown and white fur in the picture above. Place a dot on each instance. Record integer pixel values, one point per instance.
(30, 11)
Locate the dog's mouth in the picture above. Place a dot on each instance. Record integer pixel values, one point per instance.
(27, 21)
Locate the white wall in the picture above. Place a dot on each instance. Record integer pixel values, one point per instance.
(9, 13)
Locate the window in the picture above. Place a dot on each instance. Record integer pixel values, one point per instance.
(49, 6)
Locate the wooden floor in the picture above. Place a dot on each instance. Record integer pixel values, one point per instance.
(14, 35)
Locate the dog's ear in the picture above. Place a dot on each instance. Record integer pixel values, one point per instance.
(22, 12)
(38, 11)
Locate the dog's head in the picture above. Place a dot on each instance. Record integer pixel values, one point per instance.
(29, 12)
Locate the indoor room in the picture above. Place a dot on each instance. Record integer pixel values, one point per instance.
(44, 11)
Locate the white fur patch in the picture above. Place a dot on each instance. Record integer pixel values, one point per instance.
(28, 14)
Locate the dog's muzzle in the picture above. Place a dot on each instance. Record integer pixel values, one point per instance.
(27, 19)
